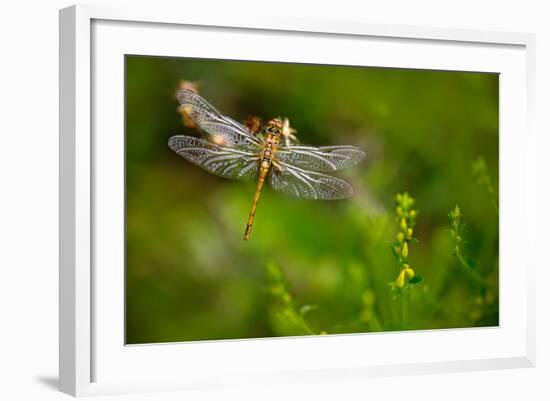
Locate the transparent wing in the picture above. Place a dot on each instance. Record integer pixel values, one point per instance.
(225, 130)
(222, 161)
(308, 184)
(324, 158)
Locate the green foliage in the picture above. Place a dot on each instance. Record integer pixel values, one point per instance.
(468, 264)
(368, 313)
(484, 304)
(189, 274)
(483, 178)
(286, 312)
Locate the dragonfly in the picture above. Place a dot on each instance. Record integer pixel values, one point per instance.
(231, 150)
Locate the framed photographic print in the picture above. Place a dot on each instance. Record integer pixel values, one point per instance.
(252, 202)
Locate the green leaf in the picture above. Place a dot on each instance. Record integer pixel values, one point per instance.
(416, 280)
(472, 263)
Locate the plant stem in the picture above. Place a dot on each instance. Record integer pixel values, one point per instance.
(299, 320)
(471, 273)
(377, 326)
(305, 327)
(405, 308)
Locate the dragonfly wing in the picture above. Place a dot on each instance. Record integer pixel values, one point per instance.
(228, 131)
(325, 158)
(219, 160)
(309, 184)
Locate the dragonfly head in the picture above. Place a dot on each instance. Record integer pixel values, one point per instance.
(274, 127)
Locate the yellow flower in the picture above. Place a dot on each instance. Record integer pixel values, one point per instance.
(405, 250)
(408, 272)
(400, 282)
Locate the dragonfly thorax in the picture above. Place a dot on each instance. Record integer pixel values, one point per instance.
(273, 130)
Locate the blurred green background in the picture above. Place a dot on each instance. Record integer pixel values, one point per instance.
(311, 267)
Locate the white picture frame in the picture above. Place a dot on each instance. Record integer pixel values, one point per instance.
(93, 356)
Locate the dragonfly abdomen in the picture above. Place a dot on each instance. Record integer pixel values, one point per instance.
(266, 159)
(264, 168)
